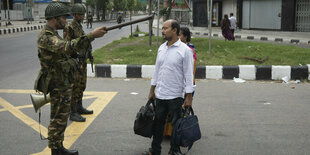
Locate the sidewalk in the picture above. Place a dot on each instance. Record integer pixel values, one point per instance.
(20, 26)
(260, 35)
(257, 35)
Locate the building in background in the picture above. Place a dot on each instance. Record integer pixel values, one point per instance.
(282, 15)
(27, 9)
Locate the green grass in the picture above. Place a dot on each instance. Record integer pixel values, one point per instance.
(135, 50)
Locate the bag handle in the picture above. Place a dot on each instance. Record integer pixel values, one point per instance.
(149, 102)
(188, 111)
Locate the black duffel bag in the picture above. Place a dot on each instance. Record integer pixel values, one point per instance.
(143, 125)
(186, 130)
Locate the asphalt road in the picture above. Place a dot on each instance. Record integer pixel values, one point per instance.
(18, 53)
(256, 118)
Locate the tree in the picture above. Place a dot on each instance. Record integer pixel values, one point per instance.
(139, 6)
(169, 9)
(91, 3)
(103, 6)
(119, 5)
(130, 5)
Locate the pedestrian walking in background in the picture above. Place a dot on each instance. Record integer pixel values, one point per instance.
(89, 19)
(58, 71)
(233, 23)
(173, 77)
(225, 26)
(74, 30)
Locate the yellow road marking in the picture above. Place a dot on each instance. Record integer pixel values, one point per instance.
(31, 106)
(20, 107)
(76, 128)
(24, 118)
(17, 91)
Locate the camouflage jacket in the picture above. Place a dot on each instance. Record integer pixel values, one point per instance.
(54, 54)
(74, 30)
(89, 17)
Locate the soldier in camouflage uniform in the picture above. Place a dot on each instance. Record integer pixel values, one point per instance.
(89, 19)
(58, 70)
(72, 31)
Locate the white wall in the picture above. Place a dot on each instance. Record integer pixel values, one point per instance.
(14, 15)
(229, 6)
(39, 10)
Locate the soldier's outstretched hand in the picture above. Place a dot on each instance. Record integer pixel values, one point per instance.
(99, 32)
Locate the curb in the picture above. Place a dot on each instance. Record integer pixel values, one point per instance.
(258, 38)
(247, 72)
(21, 29)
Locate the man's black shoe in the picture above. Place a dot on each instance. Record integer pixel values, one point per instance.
(77, 117)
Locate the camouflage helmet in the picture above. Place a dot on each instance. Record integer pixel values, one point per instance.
(78, 8)
(55, 10)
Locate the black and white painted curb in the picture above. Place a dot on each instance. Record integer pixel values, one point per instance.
(21, 29)
(258, 38)
(247, 72)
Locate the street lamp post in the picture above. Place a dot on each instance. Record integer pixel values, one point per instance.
(210, 23)
(0, 14)
(8, 8)
(158, 3)
(150, 23)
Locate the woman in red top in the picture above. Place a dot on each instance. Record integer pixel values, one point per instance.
(185, 36)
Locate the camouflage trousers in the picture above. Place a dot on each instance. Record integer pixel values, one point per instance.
(60, 109)
(80, 85)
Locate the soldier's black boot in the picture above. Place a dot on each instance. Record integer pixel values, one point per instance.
(64, 151)
(74, 115)
(82, 110)
(55, 152)
(77, 117)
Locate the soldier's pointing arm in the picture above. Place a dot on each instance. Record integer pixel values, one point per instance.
(55, 44)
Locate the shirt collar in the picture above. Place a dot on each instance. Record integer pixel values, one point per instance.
(177, 43)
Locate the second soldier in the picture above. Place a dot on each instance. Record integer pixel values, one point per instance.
(72, 31)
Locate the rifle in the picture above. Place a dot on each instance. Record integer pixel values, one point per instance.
(88, 55)
(151, 17)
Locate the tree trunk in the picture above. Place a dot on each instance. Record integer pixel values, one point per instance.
(169, 10)
(103, 14)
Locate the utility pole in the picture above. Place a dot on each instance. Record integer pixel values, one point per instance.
(0, 13)
(158, 7)
(150, 23)
(8, 8)
(210, 23)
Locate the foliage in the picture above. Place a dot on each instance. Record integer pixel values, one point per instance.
(130, 4)
(140, 6)
(135, 50)
(163, 12)
(119, 5)
(91, 3)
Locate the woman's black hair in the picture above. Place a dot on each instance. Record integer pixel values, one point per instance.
(187, 33)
